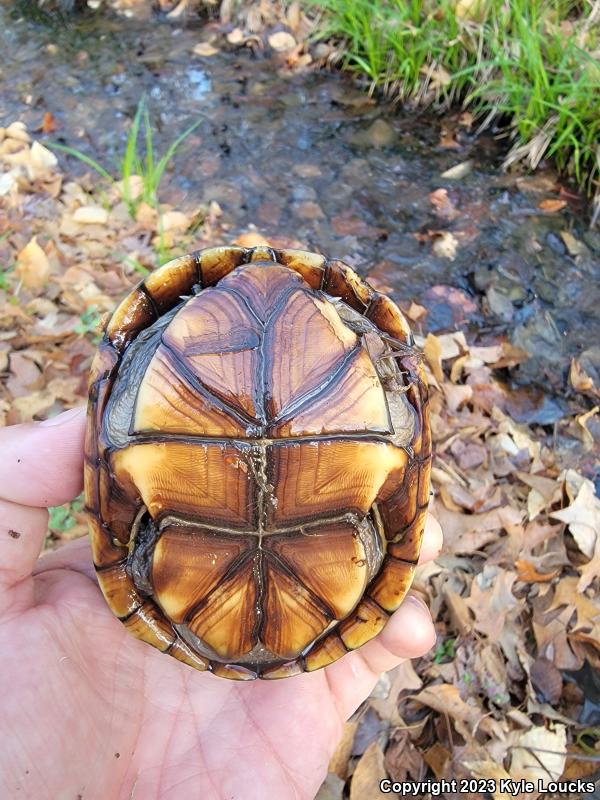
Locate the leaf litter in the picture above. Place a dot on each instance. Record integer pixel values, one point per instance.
(514, 593)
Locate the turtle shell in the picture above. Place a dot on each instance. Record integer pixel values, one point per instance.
(257, 461)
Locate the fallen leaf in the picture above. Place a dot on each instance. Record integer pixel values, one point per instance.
(236, 36)
(546, 680)
(205, 49)
(583, 518)
(33, 265)
(491, 771)
(251, 239)
(41, 161)
(91, 215)
(551, 206)
(174, 221)
(49, 122)
(540, 754)
(445, 245)
(443, 205)
(573, 245)
(432, 350)
(368, 774)
(458, 171)
(527, 572)
(580, 380)
(332, 788)
(338, 763)
(282, 41)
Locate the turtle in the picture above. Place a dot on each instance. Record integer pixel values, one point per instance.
(257, 460)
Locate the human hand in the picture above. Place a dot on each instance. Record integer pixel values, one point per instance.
(90, 712)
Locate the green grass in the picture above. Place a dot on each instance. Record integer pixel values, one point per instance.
(139, 158)
(533, 65)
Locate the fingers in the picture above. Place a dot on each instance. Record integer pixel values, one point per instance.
(75, 555)
(41, 463)
(22, 532)
(433, 539)
(409, 633)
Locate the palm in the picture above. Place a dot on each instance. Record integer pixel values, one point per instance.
(93, 713)
(130, 716)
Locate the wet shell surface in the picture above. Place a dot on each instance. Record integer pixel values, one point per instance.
(257, 463)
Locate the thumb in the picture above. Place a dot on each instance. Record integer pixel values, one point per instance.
(40, 465)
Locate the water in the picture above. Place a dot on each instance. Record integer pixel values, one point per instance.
(311, 159)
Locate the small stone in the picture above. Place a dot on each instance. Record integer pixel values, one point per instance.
(380, 134)
(309, 210)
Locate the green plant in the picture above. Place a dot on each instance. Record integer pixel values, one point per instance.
(531, 64)
(89, 322)
(61, 518)
(445, 651)
(147, 165)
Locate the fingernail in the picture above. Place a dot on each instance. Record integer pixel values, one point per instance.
(66, 416)
(417, 604)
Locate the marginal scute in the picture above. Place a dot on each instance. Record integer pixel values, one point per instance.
(286, 670)
(216, 262)
(104, 550)
(185, 654)
(391, 585)
(341, 281)
(149, 625)
(325, 652)
(310, 266)
(119, 591)
(388, 318)
(135, 313)
(167, 284)
(363, 624)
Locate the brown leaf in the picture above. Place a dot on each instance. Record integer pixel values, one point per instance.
(438, 758)
(583, 518)
(332, 788)
(338, 765)
(552, 205)
(546, 680)
(403, 761)
(540, 754)
(282, 41)
(205, 49)
(368, 774)
(33, 266)
(49, 122)
(581, 381)
(527, 572)
(443, 205)
(432, 350)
